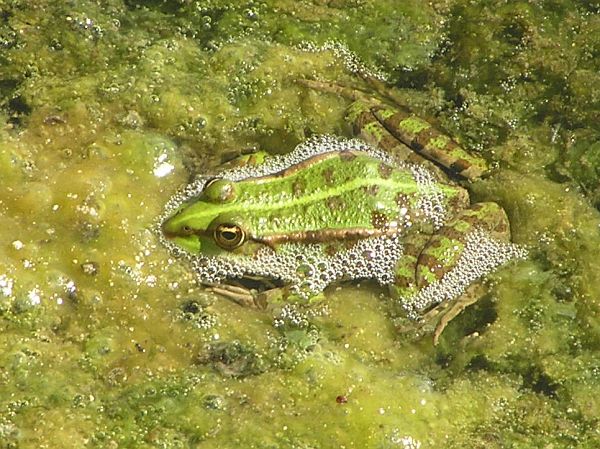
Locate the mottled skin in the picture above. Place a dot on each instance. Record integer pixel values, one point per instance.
(334, 199)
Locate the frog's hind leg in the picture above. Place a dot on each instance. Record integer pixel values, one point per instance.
(429, 142)
(366, 125)
(470, 296)
(422, 136)
(414, 132)
(453, 261)
(405, 279)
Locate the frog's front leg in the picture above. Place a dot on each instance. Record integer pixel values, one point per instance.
(258, 299)
(251, 298)
(445, 272)
(242, 296)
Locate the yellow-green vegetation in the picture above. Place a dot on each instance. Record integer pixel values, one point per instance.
(106, 341)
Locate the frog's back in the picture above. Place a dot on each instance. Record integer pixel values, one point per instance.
(333, 195)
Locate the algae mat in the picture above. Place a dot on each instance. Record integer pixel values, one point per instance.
(106, 341)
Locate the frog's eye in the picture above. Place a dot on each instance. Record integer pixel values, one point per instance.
(229, 236)
(219, 190)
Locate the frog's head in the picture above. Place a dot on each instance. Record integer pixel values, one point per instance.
(207, 225)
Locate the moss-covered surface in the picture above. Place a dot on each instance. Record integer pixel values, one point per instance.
(107, 342)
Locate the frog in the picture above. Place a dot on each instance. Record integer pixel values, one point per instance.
(388, 205)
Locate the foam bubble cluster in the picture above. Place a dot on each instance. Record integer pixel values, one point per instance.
(306, 267)
(350, 59)
(431, 198)
(293, 316)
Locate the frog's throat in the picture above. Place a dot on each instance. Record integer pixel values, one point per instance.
(327, 235)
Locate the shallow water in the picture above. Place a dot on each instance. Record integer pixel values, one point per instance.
(107, 341)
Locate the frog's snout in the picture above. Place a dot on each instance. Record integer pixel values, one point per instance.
(166, 232)
(169, 229)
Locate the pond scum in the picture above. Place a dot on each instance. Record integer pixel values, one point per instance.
(108, 108)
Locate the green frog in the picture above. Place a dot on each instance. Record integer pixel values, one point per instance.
(385, 206)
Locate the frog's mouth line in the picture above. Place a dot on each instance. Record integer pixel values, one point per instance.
(326, 235)
(307, 237)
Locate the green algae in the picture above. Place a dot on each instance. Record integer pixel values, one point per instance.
(107, 342)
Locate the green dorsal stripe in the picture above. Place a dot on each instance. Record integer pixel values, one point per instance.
(408, 187)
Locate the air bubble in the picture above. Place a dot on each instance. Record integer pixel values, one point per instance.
(304, 271)
(369, 254)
